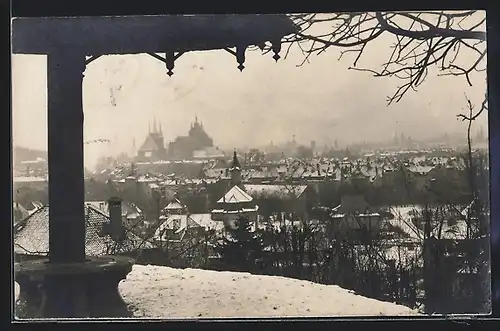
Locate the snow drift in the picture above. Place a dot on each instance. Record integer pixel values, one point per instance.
(162, 292)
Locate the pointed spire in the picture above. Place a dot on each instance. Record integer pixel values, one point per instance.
(161, 131)
(154, 125)
(149, 127)
(236, 162)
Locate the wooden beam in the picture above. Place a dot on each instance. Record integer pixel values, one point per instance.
(145, 34)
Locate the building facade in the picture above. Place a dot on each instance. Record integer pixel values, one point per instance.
(184, 147)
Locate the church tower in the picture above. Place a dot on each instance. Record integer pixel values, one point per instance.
(235, 170)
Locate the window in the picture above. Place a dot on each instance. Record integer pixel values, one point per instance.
(176, 224)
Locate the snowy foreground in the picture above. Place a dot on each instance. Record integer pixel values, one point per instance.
(161, 292)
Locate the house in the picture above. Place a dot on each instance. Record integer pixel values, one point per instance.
(177, 223)
(354, 213)
(178, 227)
(255, 200)
(105, 235)
(131, 214)
(235, 204)
(279, 197)
(175, 207)
(263, 175)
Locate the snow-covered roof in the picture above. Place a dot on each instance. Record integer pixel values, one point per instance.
(275, 191)
(175, 205)
(235, 195)
(186, 221)
(31, 235)
(242, 210)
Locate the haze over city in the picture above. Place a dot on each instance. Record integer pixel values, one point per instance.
(322, 100)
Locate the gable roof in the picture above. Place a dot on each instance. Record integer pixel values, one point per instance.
(150, 144)
(175, 205)
(235, 195)
(31, 236)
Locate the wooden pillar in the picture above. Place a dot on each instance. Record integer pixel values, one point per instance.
(65, 153)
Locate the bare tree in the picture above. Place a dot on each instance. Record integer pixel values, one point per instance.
(421, 40)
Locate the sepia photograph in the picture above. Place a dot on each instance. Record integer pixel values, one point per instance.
(251, 166)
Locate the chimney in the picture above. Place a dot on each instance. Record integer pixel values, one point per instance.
(115, 216)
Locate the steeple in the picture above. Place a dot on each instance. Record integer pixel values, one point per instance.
(161, 131)
(235, 170)
(155, 130)
(235, 163)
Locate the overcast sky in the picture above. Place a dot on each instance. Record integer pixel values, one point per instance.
(268, 101)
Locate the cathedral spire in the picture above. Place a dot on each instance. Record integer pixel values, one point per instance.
(154, 125)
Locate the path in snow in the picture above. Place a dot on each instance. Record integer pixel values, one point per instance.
(161, 292)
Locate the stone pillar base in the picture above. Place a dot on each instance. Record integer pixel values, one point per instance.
(76, 290)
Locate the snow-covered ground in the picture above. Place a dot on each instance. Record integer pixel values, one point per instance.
(161, 292)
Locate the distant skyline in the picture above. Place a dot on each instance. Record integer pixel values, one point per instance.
(322, 100)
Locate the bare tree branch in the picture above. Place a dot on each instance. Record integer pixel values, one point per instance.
(422, 40)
